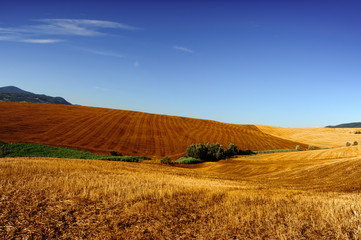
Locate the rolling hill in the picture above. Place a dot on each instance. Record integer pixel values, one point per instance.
(285, 195)
(321, 137)
(103, 130)
(15, 94)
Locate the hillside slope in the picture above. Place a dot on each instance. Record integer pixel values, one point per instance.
(320, 137)
(133, 133)
(329, 169)
(15, 94)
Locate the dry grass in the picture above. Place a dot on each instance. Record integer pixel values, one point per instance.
(320, 170)
(271, 196)
(321, 137)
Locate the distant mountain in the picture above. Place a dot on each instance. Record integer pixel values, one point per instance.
(15, 94)
(347, 125)
(12, 89)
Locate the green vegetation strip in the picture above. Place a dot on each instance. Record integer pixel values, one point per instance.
(276, 151)
(188, 160)
(39, 150)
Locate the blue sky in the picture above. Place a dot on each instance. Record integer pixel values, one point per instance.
(279, 63)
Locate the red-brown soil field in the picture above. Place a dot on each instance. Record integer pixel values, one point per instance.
(102, 130)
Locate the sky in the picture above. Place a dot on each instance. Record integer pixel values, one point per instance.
(278, 63)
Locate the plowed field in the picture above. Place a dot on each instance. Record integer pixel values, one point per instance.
(103, 130)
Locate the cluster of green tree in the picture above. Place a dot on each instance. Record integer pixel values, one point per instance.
(214, 152)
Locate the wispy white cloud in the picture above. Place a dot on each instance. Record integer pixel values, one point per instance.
(136, 64)
(40, 40)
(103, 53)
(184, 49)
(16, 38)
(59, 27)
(81, 27)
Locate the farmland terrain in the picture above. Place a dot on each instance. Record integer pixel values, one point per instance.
(321, 137)
(292, 195)
(313, 194)
(103, 130)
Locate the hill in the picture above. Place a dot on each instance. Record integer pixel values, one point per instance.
(321, 137)
(103, 130)
(307, 170)
(12, 89)
(347, 125)
(14, 94)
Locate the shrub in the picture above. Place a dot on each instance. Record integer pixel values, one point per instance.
(275, 151)
(310, 147)
(298, 147)
(4, 150)
(122, 158)
(246, 152)
(355, 143)
(113, 153)
(166, 160)
(232, 150)
(348, 144)
(358, 132)
(188, 160)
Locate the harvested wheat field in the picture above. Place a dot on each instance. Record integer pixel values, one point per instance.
(103, 130)
(294, 195)
(321, 137)
(328, 169)
(312, 194)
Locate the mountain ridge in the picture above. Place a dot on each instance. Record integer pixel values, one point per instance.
(346, 125)
(15, 94)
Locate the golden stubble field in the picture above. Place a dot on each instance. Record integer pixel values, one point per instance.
(320, 137)
(295, 195)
